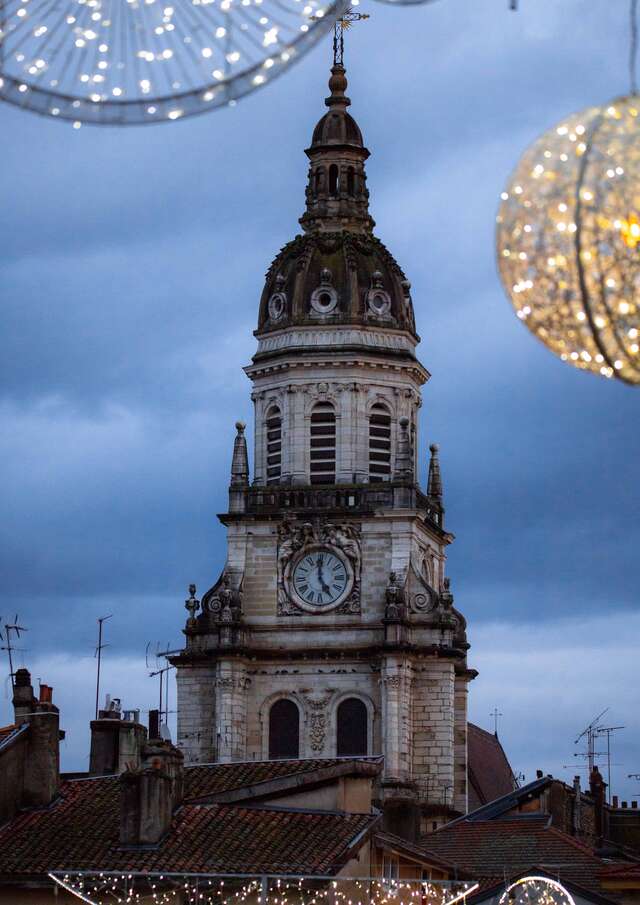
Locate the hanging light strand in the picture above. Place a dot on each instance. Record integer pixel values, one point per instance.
(633, 48)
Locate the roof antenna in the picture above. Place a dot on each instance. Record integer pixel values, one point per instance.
(164, 684)
(98, 654)
(341, 25)
(8, 646)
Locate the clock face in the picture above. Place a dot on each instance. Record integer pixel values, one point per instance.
(320, 578)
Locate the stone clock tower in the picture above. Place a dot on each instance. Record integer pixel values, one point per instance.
(331, 630)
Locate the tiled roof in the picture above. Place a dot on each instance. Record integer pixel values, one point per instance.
(490, 774)
(490, 848)
(80, 831)
(9, 733)
(213, 779)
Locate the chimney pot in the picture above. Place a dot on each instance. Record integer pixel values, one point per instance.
(539, 774)
(46, 694)
(615, 801)
(624, 804)
(634, 804)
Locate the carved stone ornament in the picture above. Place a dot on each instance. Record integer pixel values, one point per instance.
(317, 720)
(378, 299)
(338, 544)
(278, 301)
(324, 299)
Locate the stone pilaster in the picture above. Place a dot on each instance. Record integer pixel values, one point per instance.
(231, 686)
(196, 712)
(460, 801)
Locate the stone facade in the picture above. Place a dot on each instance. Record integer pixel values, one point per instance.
(336, 387)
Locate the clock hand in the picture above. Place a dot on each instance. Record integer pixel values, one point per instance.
(325, 587)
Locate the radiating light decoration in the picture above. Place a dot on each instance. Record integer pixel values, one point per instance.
(568, 239)
(536, 889)
(120, 62)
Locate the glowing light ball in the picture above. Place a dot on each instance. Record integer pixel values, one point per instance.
(149, 61)
(568, 239)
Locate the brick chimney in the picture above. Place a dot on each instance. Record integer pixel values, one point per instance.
(150, 795)
(41, 765)
(116, 743)
(598, 786)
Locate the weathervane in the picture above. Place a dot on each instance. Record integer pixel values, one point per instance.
(341, 25)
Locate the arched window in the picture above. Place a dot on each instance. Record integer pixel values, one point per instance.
(351, 182)
(323, 444)
(352, 728)
(379, 443)
(274, 445)
(334, 181)
(284, 730)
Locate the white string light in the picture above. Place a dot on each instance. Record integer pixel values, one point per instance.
(145, 61)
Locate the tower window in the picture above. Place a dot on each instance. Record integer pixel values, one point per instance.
(274, 445)
(284, 730)
(352, 726)
(334, 180)
(319, 174)
(351, 182)
(323, 444)
(379, 443)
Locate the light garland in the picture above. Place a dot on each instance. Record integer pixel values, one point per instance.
(568, 239)
(541, 890)
(171, 889)
(144, 61)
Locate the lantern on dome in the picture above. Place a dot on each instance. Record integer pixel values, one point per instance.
(568, 239)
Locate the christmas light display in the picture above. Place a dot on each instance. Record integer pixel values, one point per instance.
(568, 239)
(176, 889)
(538, 890)
(145, 61)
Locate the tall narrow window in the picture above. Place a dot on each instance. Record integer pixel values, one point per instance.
(352, 729)
(274, 445)
(333, 179)
(284, 730)
(379, 443)
(323, 444)
(351, 182)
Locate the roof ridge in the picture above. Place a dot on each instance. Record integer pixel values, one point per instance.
(576, 843)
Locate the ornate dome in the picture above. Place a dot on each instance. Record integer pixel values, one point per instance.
(337, 277)
(338, 273)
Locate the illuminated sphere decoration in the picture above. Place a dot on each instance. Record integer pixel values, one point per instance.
(536, 890)
(568, 239)
(120, 62)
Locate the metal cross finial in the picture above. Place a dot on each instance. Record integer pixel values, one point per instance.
(345, 21)
(496, 716)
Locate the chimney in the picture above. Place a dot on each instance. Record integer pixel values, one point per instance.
(597, 786)
(577, 806)
(539, 774)
(154, 724)
(41, 767)
(615, 801)
(634, 804)
(115, 743)
(150, 795)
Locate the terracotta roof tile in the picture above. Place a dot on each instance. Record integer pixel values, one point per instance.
(491, 847)
(490, 774)
(80, 831)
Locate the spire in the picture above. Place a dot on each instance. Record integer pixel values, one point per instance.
(239, 471)
(434, 485)
(337, 196)
(240, 461)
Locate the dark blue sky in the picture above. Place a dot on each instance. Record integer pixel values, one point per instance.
(131, 264)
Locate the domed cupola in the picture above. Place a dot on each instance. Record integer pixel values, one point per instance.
(337, 272)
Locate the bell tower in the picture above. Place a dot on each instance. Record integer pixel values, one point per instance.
(331, 630)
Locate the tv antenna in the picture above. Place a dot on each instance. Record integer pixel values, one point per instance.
(161, 671)
(593, 731)
(98, 653)
(9, 647)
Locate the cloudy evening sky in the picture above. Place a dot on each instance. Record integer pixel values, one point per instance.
(131, 264)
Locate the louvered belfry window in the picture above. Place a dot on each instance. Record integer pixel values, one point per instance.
(284, 730)
(274, 445)
(379, 443)
(323, 444)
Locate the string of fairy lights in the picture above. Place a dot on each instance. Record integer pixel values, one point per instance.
(177, 889)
